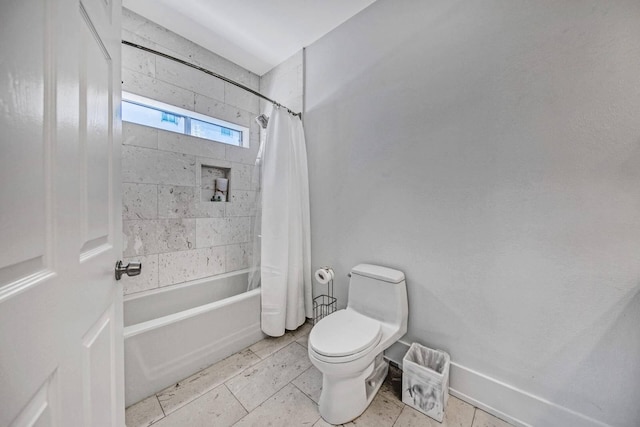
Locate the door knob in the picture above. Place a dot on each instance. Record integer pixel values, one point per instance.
(131, 269)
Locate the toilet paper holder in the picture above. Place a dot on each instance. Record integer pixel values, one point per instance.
(324, 304)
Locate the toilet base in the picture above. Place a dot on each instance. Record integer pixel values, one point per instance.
(346, 397)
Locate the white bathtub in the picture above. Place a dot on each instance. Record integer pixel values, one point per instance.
(171, 333)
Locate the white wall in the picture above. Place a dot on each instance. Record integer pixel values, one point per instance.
(491, 150)
(168, 223)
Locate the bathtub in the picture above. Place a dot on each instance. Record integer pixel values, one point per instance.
(171, 333)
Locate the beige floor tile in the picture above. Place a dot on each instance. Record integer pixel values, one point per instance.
(217, 408)
(198, 384)
(323, 423)
(270, 345)
(381, 413)
(302, 334)
(288, 407)
(303, 330)
(409, 417)
(280, 387)
(143, 413)
(259, 382)
(310, 383)
(457, 414)
(483, 419)
(303, 340)
(391, 388)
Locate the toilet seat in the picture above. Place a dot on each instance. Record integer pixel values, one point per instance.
(344, 335)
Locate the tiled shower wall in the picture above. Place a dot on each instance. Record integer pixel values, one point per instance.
(177, 236)
(285, 84)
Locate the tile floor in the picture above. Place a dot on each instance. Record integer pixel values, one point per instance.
(272, 383)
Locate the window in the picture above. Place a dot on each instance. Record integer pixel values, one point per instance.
(148, 112)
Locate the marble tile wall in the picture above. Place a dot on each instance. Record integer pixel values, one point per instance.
(285, 84)
(166, 224)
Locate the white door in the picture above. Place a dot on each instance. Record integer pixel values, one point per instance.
(61, 348)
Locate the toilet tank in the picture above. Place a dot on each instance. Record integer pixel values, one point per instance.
(380, 293)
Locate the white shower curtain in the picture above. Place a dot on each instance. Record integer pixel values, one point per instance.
(285, 249)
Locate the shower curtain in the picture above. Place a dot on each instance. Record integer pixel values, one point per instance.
(285, 271)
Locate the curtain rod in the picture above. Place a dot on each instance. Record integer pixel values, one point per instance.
(211, 73)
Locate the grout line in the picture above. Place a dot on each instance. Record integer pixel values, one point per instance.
(182, 154)
(158, 200)
(237, 400)
(275, 392)
(159, 403)
(305, 394)
(236, 397)
(214, 387)
(163, 414)
(396, 421)
(397, 416)
(302, 391)
(187, 404)
(251, 365)
(302, 373)
(275, 351)
(263, 402)
(474, 416)
(250, 351)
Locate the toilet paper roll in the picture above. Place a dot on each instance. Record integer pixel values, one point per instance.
(324, 275)
(221, 184)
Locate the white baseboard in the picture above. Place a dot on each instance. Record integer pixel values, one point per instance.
(502, 400)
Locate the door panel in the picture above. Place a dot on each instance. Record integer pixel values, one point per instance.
(98, 371)
(39, 412)
(26, 224)
(95, 135)
(61, 349)
(24, 114)
(25, 368)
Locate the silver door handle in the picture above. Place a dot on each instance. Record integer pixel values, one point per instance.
(131, 269)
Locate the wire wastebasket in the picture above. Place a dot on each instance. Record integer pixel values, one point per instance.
(324, 304)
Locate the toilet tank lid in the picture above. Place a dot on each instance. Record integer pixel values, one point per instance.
(377, 272)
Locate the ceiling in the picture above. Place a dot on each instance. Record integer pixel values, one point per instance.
(256, 34)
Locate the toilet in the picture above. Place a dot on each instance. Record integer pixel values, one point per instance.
(347, 346)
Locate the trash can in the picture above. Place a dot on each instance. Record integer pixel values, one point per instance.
(425, 380)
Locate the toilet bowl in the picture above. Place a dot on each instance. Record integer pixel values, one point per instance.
(347, 346)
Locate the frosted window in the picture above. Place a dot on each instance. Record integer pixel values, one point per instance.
(215, 132)
(148, 112)
(147, 116)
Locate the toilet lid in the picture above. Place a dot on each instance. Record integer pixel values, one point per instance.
(343, 333)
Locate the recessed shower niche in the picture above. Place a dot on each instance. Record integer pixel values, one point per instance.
(208, 177)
